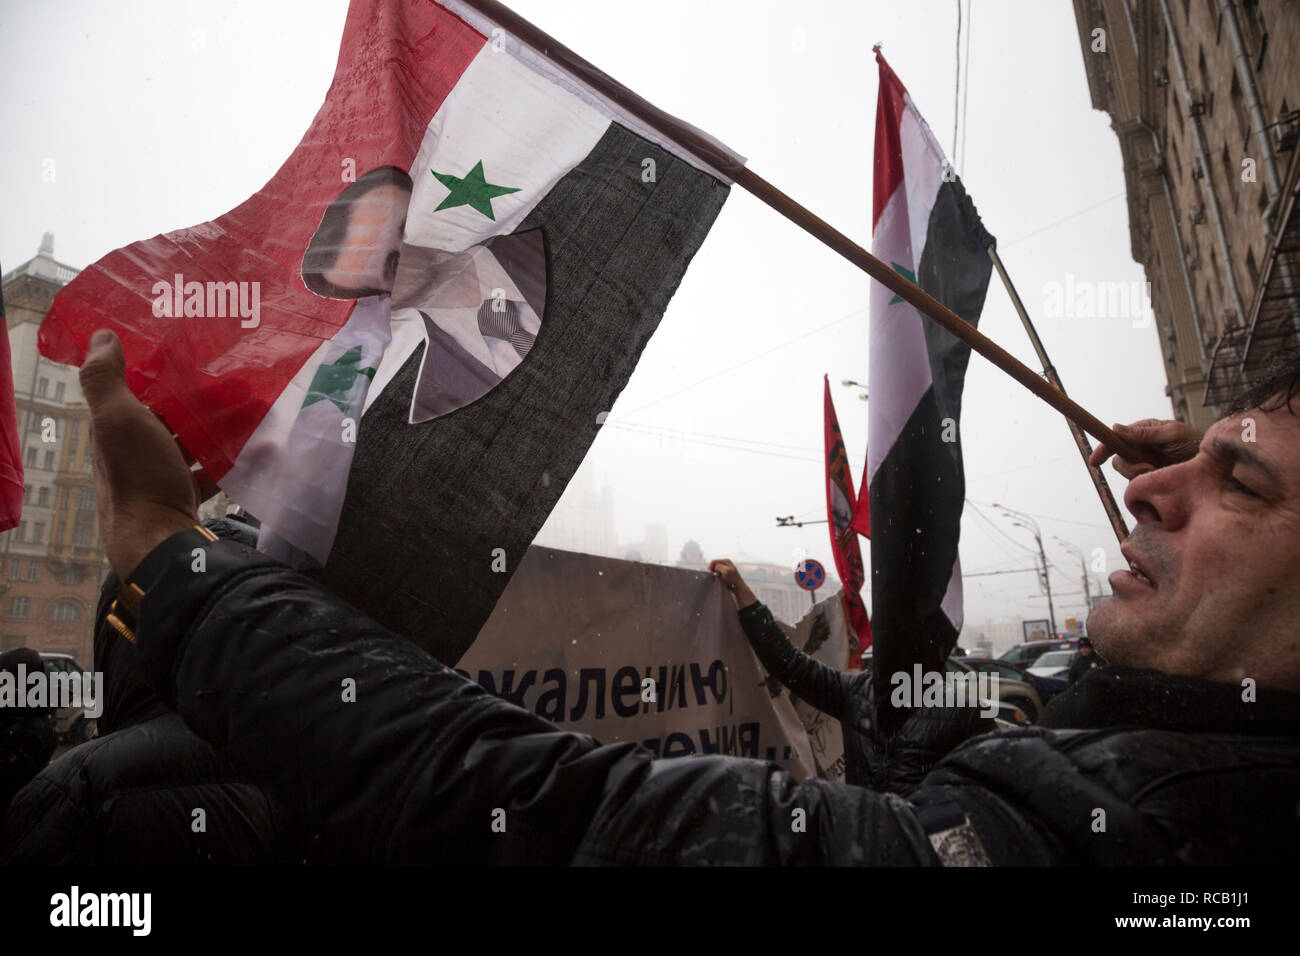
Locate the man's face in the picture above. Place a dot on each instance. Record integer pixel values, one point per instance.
(368, 253)
(1218, 537)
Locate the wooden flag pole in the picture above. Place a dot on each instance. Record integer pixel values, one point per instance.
(1049, 371)
(712, 154)
(936, 311)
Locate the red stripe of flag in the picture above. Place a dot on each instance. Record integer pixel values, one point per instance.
(197, 365)
(888, 167)
(862, 511)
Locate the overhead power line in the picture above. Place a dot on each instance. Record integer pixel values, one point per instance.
(1053, 225)
(741, 364)
(736, 445)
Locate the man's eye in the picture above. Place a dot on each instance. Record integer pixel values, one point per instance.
(1238, 486)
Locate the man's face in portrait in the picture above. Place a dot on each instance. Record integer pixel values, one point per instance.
(355, 250)
(368, 252)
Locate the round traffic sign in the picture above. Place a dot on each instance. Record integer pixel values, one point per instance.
(809, 574)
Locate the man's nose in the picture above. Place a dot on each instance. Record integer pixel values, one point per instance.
(1163, 496)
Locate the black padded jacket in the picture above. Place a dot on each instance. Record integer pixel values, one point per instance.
(895, 764)
(147, 790)
(389, 756)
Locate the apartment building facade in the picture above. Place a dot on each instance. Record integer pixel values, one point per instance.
(52, 564)
(1204, 96)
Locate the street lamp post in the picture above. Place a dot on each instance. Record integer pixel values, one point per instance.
(849, 383)
(1032, 528)
(1083, 564)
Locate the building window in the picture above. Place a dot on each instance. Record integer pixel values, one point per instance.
(43, 498)
(27, 493)
(1255, 31)
(1230, 177)
(40, 532)
(1205, 92)
(83, 534)
(76, 427)
(15, 569)
(18, 607)
(42, 387)
(66, 492)
(71, 576)
(58, 391)
(49, 461)
(65, 611)
(1239, 105)
(85, 500)
(31, 570)
(21, 533)
(31, 458)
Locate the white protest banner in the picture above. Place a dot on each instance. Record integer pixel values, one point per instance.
(823, 634)
(629, 651)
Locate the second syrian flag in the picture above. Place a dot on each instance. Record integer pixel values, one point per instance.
(397, 353)
(926, 227)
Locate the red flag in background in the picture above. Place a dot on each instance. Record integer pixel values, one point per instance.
(840, 507)
(862, 512)
(11, 452)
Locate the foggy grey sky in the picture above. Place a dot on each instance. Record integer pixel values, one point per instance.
(159, 115)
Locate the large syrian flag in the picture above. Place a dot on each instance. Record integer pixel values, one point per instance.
(840, 506)
(925, 227)
(472, 246)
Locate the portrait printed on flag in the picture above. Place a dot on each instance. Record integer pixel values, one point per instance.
(354, 252)
(477, 311)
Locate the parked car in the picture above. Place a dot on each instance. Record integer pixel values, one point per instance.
(1024, 655)
(1047, 687)
(70, 723)
(1013, 688)
(1010, 714)
(1053, 664)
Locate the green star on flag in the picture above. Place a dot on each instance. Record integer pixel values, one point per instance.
(907, 274)
(334, 381)
(473, 190)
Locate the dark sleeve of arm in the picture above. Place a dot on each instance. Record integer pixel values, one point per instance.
(820, 684)
(388, 756)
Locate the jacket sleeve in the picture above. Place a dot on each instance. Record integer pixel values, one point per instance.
(390, 757)
(820, 684)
